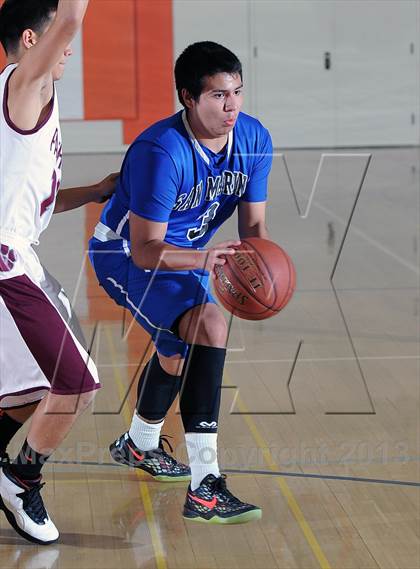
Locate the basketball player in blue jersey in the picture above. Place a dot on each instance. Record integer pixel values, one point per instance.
(181, 180)
(45, 371)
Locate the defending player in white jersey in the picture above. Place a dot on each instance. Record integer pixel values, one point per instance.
(44, 369)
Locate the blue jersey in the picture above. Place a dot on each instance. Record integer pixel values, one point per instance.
(168, 177)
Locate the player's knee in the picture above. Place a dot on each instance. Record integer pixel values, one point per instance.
(86, 399)
(215, 331)
(212, 328)
(81, 401)
(172, 365)
(71, 403)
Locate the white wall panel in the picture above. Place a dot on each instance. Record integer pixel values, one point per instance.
(375, 69)
(70, 87)
(294, 90)
(370, 94)
(85, 137)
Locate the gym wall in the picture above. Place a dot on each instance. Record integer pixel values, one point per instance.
(317, 73)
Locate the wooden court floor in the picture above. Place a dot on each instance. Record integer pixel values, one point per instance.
(320, 413)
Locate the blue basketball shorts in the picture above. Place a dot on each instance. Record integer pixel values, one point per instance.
(156, 299)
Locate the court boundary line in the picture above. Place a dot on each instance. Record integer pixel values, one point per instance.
(291, 360)
(258, 472)
(314, 360)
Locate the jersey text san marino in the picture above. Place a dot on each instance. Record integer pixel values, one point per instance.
(168, 177)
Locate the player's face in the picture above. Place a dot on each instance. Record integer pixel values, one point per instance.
(220, 102)
(58, 70)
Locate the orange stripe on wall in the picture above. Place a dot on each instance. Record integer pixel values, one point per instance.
(154, 55)
(128, 61)
(109, 65)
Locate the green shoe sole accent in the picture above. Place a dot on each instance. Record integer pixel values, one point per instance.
(239, 519)
(163, 478)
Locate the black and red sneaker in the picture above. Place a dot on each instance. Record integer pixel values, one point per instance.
(212, 503)
(158, 463)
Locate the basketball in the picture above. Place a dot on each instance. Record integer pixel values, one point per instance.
(257, 281)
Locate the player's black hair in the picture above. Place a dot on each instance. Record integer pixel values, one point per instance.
(200, 60)
(16, 16)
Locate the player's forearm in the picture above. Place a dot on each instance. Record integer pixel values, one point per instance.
(251, 220)
(73, 198)
(71, 11)
(165, 257)
(257, 230)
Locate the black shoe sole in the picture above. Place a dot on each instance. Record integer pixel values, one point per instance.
(12, 521)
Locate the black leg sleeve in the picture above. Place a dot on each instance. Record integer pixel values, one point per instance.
(156, 391)
(201, 389)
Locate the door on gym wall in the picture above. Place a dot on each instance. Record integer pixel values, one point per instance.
(376, 72)
(337, 73)
(293, 94)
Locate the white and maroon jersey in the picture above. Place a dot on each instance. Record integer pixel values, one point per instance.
(30, 175)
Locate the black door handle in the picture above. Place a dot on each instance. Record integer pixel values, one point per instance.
(327, 60)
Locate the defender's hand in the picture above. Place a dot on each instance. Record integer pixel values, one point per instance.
(106, 187)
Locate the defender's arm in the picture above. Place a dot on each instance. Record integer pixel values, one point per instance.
(72, 198)
(31, 86)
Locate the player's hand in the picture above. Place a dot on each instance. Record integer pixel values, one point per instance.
(216, 255)
(106, 187)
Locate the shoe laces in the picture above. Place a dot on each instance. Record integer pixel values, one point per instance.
(170, 460)
(164, 439)
(32, 502)
(219, 485)
(161, 450)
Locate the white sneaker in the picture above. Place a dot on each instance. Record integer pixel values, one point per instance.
(24, 509)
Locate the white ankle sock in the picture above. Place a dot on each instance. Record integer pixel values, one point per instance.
(144, 435)
(202, 454)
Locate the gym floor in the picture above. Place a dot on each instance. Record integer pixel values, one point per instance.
(320, 415)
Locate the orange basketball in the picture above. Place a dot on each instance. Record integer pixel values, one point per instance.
(257, 281)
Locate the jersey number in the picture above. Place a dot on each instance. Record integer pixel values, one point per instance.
(208, 216)
(55, 184)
